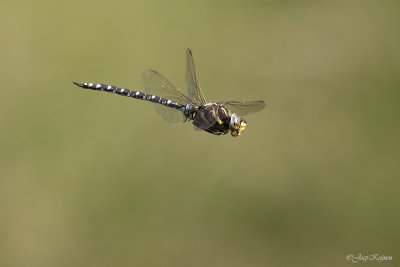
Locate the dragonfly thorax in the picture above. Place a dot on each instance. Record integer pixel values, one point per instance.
(213, 118)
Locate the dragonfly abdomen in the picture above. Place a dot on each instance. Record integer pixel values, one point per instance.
(131, 93)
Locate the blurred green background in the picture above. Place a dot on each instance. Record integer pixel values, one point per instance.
(94, 179)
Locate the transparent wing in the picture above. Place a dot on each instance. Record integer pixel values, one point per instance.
(194, 89)
(170, 115)
(205, 117)
(156, 84)
(244, 107)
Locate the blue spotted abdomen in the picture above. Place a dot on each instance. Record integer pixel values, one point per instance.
(131, 93)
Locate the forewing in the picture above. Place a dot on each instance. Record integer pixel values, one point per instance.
(156, 84)
(244, 107)
(194, 89)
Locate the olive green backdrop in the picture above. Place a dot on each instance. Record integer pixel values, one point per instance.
(94, 179)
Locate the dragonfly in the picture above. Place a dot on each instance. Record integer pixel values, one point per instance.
(176, 106)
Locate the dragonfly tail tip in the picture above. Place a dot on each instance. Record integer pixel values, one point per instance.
(78, 84)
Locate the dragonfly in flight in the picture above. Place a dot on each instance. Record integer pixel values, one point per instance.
(175, 106)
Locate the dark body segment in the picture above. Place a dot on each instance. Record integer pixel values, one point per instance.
(213, 118)
(123, 91)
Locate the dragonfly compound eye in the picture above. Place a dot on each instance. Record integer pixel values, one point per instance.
(234, 123)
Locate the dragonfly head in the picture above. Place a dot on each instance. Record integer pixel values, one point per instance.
(236, 125)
